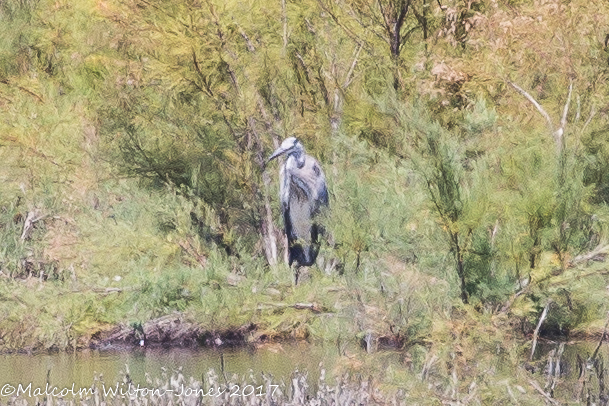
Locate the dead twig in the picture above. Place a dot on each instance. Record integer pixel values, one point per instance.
(563, 120)
(538, 389)
(592, 114)
(556, 372)
(284, 21)
(314, 307)
(544, 314)
(250, 46)
(189, 249)
(349, 78)
(557, 134)
(32, 217)
(534, 103)
(595, 353)
(23, 89)
(511, 300)
(589, 255)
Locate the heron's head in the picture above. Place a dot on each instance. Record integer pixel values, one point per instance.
(288, 146)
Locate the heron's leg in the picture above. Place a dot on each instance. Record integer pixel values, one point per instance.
(286, 249)
(302, 274)
(296, 275)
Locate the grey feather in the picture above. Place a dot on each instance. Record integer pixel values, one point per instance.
(303, 194)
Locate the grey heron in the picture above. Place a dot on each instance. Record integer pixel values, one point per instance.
(303, 193)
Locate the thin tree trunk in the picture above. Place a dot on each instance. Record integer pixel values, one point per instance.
(264, 210)
(269, 229)
(395, 39)
(266, 215)
(460, 267)
(275, 138)
(533, 254)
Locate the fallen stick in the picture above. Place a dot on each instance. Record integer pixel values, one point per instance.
(32, 217)
(314, 307)
(538, 389)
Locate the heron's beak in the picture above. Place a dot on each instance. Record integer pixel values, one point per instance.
(277, 152)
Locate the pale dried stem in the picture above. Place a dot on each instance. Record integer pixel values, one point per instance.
(534, 103)
(557, 134)
(349, 78)
(544, 314)
(32, 217)
(540, 390)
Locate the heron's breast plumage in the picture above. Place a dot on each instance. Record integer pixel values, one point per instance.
(310, 179)
(303, 192)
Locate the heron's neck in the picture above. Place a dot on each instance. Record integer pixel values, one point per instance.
(299, 157)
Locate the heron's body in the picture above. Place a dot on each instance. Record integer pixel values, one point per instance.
(303, 193)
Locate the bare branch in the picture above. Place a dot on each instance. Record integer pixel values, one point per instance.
(266, 214)
(404, 6)
(187, 246)
(563, 120)
(284, 19)
(32, 217)
(515, 296)
(201, 75)
(536, 333)
(593, 357)
(598, 251)
(349, 78)
(371, 28)
(385, 18)
(250, 46)
(304, 66)
(314, 307)
(347, 31)
(592, 114)
(6, 82)
(540, 390)
(556, 377)
(494, 232)
(534, 103)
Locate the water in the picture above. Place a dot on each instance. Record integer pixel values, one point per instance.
(80, 368)
(279, 360)
(579, 378)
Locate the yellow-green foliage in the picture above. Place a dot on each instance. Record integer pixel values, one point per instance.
(136, 133)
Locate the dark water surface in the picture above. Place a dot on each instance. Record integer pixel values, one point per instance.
(80, 368)
(279, 360)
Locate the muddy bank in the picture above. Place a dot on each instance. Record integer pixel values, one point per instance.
(173, 330)
(181, 330)
(176, 330)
